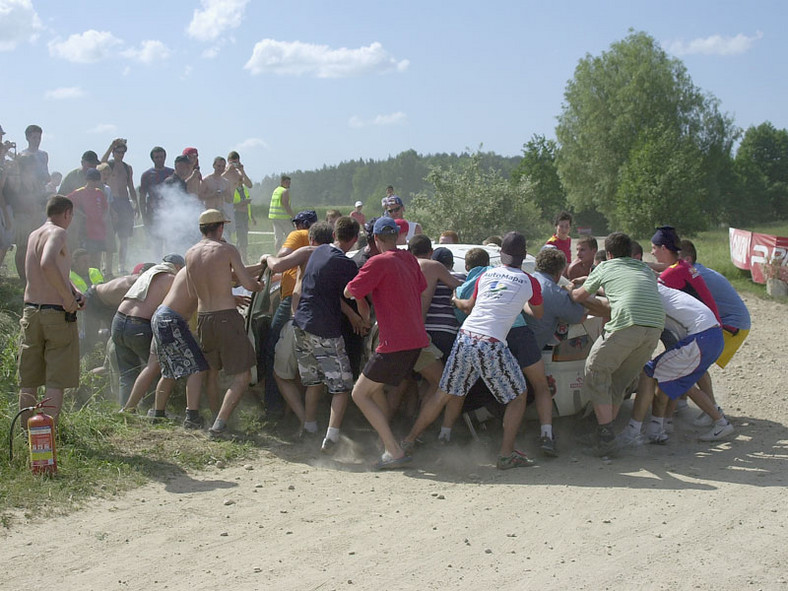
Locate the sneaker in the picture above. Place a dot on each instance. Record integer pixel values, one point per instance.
(658, 437)
(703, 420)
(155, 418)
(407, 447)
(668, 426)
(605, 443)
(328, 446)
(220, 434)
(199, 423)
(718, 432)
(516, 459)
(443, 440)
(628, 438)
(547, 445)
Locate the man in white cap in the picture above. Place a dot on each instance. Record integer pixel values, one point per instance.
(357, 215)
(210, 265)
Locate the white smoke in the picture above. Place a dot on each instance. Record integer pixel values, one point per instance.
(178, 219)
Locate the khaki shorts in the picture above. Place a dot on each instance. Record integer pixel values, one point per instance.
(429, 355)
(285, 362)
(224, 341)
(48, 350)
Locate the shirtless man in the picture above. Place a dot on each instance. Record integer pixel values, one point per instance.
(195, 176)
(131, 330)
(178, 352)
(49, 350)
(150, 199)
(210, 266)
(587, 248)
(27, 210)
(216, 188)
(124, 198)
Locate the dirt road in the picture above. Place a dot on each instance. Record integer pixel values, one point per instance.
(684, 516)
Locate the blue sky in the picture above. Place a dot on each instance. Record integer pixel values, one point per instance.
(298, 84)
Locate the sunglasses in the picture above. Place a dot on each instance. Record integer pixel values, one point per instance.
(394, 210)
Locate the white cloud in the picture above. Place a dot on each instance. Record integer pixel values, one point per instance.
(149, 51)
(65, 92)
(211, 52)
(715, 45)
(18, 23)
(187, 71)
(378, 121)
(296, 58)
(251, 143)
(215, 17)
(104, 128)
(85, 48)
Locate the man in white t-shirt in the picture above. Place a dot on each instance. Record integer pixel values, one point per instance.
(480, 350)
(677, 370)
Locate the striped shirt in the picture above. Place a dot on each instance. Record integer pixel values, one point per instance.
(631, 287)
(440, 316)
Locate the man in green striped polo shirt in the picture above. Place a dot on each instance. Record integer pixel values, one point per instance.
(630, 336)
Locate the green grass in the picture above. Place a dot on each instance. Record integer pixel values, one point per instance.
(99, 452)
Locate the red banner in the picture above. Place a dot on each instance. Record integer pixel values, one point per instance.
(763, 255)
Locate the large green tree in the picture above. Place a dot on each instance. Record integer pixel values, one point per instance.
(627, 115)
(761, 166)
(476, 202)
(539, 169)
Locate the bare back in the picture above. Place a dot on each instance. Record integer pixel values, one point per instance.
(181, 299)
(111, 293)
(47, 248)
(210, 264)
(158, 289)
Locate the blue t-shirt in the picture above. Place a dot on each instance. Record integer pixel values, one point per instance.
(558, 307)
(733, 311)
(327, 273)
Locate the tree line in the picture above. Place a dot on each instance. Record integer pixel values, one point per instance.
(637, 145)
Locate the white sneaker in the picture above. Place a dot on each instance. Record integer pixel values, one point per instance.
(628, 438)
(658, 437)
(668, 426)
(718, 432)
(704, 420)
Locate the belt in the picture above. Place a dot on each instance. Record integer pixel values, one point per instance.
(57, 307)
(479, 337)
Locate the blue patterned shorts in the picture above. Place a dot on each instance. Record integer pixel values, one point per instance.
(178, 351)
(472, 358)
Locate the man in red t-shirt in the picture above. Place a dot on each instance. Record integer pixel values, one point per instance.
(90, 206)
(561, 239)
(394, 281)
(665, 247)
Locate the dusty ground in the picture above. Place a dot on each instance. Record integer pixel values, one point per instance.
(684, 516)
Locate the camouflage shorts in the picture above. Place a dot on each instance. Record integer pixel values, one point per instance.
(323, 361)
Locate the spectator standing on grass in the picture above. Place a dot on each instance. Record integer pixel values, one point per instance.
(49, 343)
(357, 215)
(29, 205)
(150, 198)
(124, 208)
(90, 203)
(76, 178)
(280, 212)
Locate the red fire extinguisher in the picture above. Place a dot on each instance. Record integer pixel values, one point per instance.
(41, 439)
